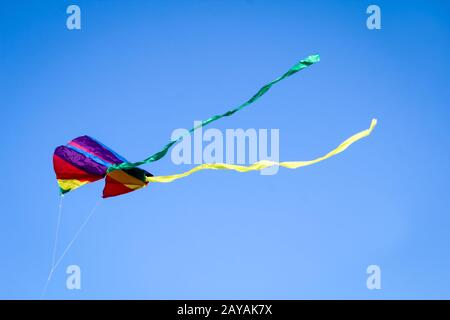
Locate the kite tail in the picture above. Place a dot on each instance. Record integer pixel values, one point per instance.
(257, 166)
(158, 155)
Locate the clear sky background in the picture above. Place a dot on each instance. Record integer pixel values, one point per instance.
(137, 70)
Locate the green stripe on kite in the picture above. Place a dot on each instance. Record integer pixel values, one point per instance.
(158, 155)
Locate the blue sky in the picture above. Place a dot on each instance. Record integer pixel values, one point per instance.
(138, 70)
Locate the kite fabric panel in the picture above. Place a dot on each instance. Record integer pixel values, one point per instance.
(84, 160)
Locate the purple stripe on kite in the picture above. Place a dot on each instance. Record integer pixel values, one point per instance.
(110, 150)
(80, 161)
(92, 146)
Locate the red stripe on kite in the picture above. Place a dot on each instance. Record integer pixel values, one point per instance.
(65, 170)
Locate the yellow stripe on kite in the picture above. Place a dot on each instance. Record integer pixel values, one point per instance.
(70, 184)
(266, 163)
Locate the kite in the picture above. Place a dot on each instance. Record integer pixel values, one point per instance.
(84, 159)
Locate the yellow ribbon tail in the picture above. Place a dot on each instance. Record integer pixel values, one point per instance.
(263, 164)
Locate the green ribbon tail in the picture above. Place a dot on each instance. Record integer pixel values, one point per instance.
(160, 154)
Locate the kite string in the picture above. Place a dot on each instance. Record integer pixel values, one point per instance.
(77, 234)
(58, 224)
(55, 243)
(66, 250)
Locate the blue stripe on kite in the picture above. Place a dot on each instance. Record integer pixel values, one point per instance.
(90, 156)
(112, 151)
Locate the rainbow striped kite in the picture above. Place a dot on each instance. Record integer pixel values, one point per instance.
(84, 159)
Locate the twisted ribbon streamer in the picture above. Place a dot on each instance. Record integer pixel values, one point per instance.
(158, 155)
(266, 163)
